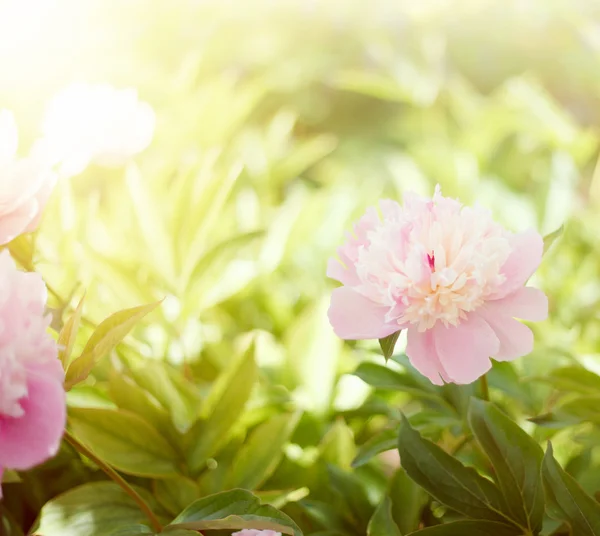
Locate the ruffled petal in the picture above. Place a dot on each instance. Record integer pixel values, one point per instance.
(527, 303)
(423, 356)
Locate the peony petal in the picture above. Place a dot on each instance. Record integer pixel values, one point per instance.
(525, 257)
(32, 439)
(516, 339)
(423, 356)
(346, 276)
(527, 303)
(355, 317)
(465, 350)
(15, 223)
(42, 198)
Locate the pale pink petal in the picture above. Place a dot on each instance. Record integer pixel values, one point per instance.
(527, 303)
(355, 317)
(465, 350)
(42, 198)
(35, 437)
(15, 222)
(525, 257)
(423, 356)
(516, 339)
(336, 271)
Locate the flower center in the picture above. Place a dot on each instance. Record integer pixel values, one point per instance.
(432, 262)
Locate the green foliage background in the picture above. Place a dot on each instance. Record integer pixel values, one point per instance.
(278, 124)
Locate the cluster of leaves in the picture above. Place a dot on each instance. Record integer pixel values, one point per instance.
(227, 401)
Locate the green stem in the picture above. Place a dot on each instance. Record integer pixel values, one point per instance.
(485, 391)
(117, 478)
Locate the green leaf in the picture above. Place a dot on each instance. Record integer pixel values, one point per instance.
(130, 530)
(175, 494)
(408, 501)
(125, 441)
(516, 459)
(388, 344)
(10, 477)
(567, 501)
(236, 509)
(260, 455)
(226, 403)
(447, 479)
(573, 378)
(156, 378)
(337, 446)
(8, 525)
(68, 335)
(549, 239)
(279, 498)
(382, 442)
(382, 523)
(106, 337)
(94, 509)
(353, 495)
(470, 528)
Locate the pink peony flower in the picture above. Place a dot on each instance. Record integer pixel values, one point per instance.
(254, 532)
(32, 398)
(95, 123)
(25, 184)
(449, 275)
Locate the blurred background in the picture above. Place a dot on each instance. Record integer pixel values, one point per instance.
(277, 123)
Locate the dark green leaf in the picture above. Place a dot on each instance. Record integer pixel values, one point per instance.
(388, 344)
(516, 459)
(382, 523)
(566, 500)
(236, 509)
(386, 440)
(408, 501)
(447, 479)
(353, 495)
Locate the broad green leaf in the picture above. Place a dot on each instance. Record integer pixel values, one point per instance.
(353, 495)
(176, 494)
(106, 336)
(94, 509)
(183, 407)
(236, 509)
(88, 396)
(131, 397)
(68, 335)
(408, 501)
(231, 392)
(125, 441)
(573, 378)
(447, 479)
(382, 377)
(388, 344)
(567, 501)
(382, 442)
(338, 446)
(382, 523)
(575, 411)
(516, 459)
(549, 239)
(260, 455)
(470, 528)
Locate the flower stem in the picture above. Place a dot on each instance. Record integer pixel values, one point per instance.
(485, 391)
(117, 478)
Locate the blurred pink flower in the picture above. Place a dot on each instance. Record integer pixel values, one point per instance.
(25, 184)
(449, 275)
(32, 398)
(254, 532)
(87, 123)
